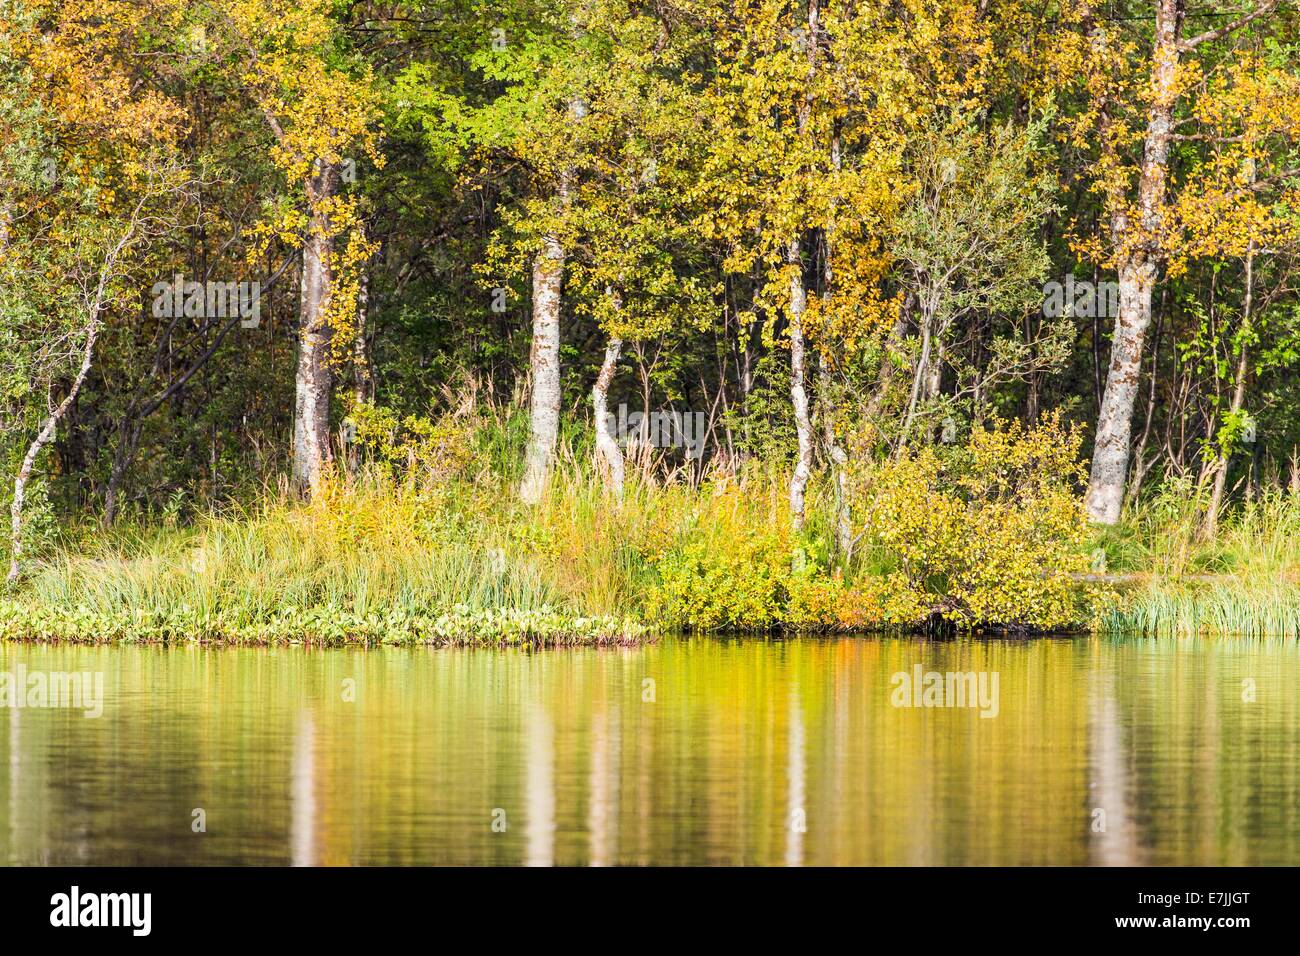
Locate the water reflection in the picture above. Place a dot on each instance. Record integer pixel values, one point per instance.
(1114, 837)
(540, 787)
(15, 767)
(602, 807)
(689, 751)
(794, 773)
(304, 792)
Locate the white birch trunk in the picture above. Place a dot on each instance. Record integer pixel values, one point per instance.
(548, 278)
(920, 373)
(834, 451)
(94, 322)
(607, 449)
(43, 437)
(798, 390)
(1137, 271)
(314, 379)
(798, 306)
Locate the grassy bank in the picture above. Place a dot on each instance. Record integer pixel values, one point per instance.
(369, 561)
(989, 537)
(382, 561)
(1245, 581)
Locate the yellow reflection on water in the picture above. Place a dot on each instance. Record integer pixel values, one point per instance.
(699, 751)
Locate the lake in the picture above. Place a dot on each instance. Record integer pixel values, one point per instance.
(1085, 750)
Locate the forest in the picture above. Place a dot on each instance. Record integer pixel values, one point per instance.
(466, 320)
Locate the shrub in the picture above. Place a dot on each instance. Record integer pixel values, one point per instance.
(421, 449)
(742, 585)
(990, 534)
(736, 564)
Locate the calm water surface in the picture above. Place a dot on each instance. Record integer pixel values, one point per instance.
(685, 752)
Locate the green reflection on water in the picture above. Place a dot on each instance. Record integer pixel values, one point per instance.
(685, 752)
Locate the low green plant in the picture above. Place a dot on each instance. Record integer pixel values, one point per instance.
(317, 624)
(744, 585)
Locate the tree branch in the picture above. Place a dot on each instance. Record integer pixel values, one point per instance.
(1208, 36)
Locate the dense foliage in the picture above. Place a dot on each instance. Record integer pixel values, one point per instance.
(812, 314)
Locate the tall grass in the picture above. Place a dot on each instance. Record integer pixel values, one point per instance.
(384, 546)
(368, 547)
(1244, 581)
(1241, 608)
(601, 551)
(376, 545)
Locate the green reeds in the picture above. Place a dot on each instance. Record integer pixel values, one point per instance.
(1245, 581)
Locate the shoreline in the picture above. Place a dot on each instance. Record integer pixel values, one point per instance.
(323, 626)
(1193, 607)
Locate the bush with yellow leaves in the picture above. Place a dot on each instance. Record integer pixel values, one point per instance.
(729, 564)
(424, 450)
(736, 564)
(990, 534)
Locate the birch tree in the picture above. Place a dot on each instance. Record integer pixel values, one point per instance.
(529, 109)
(966, 246)
(812, 106)
(88, 156)
(321, 109)
(1136, 186)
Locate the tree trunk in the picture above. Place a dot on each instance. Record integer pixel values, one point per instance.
(607, 449)
(1238, 398)
(128, 440)
(1139, 453)
(885, 375)
(48, 428)
(920, 375)
(834, 451)
(1033, 380)
(799, 304)
(364, 378)
(1114, 422)
(798, 391)
(839, 463)
(94, 311)
(314, 380)
(548, 277)
(934, 371)
(1137, 261)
